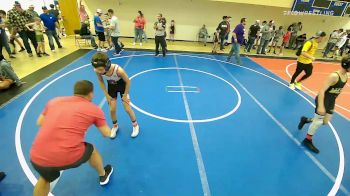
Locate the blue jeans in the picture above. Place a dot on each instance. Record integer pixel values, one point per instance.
(262, 46)
(250, 43)
(138, 35)
(5, 42)
(116, 44)
(50, 34)
(235, 50)
(329, 47)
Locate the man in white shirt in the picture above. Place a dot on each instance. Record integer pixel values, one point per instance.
(115, 32)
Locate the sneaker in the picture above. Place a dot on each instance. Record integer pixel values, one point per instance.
(98, 49)
(303, 121)
(108, 172)
(134, 44)
(30, 54)
(45, 54)
(135, 131)
(114, 131)
(309, 145)
(156, 55)
(21, 50)
(60, 46)
(140, 44)
(116, 54)
(298, 85)
(2, 176)
(292, 86)
(39, 55)
(20, 83)
(12, 56)
(104, 50)
(53, 50)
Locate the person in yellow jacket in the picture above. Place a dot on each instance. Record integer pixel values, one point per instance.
(305, 59)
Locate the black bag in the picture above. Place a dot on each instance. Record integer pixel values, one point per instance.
(298, 53)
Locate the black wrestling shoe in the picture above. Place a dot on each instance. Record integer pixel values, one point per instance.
(309, 145)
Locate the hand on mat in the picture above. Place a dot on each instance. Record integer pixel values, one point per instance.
(126, 98)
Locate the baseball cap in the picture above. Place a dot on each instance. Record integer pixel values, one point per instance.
(99, 11)
(17, 3)
(44, 8)
(320, 34)
(31, 5)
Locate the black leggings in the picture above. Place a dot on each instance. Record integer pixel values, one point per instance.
(307, 68)
(160, 40)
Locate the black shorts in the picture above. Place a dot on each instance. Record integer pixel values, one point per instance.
(50, 174)
(115, 88)
(329, 104)
(101, 36)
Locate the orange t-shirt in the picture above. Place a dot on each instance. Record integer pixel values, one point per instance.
(60, 140)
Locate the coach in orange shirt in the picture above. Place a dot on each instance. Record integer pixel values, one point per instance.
(59, 144)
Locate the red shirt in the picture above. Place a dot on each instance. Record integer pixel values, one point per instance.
(286, 37)
(140, 22)
(60, 140)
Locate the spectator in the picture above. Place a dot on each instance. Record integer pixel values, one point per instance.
(223, 27)
(216, 40)
(106, 23)
(172, 31)
(254, 32)
(258, 39)
(276, 39)
(2, 176)
(140, 24)
(82, 13)
(100, 31)
(13, 38)
(237, 41)
(33, 13)
(285, 42)
(50, 22)
(300, 41)
(18, 18)
(160, 34)
(228, 30)
(345, 46)
(85, 33)
(296, 27)
(38, 28)
(115, 32)
(7, 72)
(54, 11)
(203, 34)
(341, 42)
(332, 42)
(3, 36)
(266, 31)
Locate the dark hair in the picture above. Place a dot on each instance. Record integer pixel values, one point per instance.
(243, 20)
(2, 12)
(2, 57)
(52, 6)
(99, 59)
(83, 87)
(141, 14)
(341, 30)
(264, 21)
(110, 11)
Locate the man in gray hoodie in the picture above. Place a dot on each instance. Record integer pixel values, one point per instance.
(266, 31)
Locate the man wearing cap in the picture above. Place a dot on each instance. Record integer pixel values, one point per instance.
(305, 59)
(18, 18)
(100, 31)
(50, 22)
(33, 13)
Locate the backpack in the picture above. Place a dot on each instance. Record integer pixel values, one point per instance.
(298, 53)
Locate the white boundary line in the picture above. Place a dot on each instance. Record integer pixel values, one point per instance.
(313, 93)
(287, 132)
(200, 164)
(33, 180)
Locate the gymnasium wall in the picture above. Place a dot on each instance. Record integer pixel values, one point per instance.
(190, 15)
